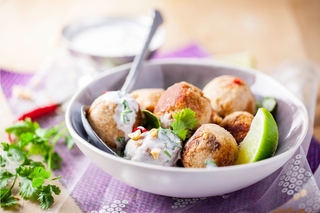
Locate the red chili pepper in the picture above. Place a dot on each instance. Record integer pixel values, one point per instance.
(141, 128)
(39, 112)
(36, 113)
(237, 81)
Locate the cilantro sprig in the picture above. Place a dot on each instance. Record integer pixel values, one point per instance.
(184, 121)
(33, 177)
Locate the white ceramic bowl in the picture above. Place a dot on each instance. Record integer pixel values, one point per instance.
(291, 117)
(103, 42)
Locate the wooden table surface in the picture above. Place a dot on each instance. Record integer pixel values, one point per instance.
(272, 31)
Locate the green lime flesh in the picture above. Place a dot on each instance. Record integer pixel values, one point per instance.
(261, 141)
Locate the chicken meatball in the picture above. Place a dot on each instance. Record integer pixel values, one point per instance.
(210, 144)
(180, 96)
(157, 147)
(229, 94)
(113, 116)
(147, 98)
(238, 124)
(216, 118)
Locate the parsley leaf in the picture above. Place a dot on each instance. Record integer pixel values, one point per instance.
(22, 127)
(185, 121)
(39, 175)
(14, 151)
(5, 178)
(26, 190)
(7, 200)
(30, 139)
(45, 195)
(31, 162)
(2, 161)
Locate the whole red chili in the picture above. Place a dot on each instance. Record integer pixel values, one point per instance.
(39, 112)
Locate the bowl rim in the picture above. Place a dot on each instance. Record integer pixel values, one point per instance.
(187, 61)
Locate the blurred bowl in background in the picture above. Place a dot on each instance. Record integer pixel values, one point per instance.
(99, 43)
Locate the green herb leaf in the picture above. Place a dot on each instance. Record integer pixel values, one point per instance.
(170, 139)
(167, 153)
(32, 163)
(14, 151)
(185, 121)
(25, 138)
(39, 149)
(210, 163)
(24, 171)
(26, 190)
(150, 120)
(7, 200)
(45, 195)
(69, 142)
(30, 139)
(3, 161)
(39, 175)
(269, 103)
(126, 110)
(121, 140)
(5, 178)
(55, 161)
(22, 127)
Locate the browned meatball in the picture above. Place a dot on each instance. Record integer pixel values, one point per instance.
(113, 116)
(216, 118)
(229, 94)
(210, 142)
(180, 96)
(147, 98)
(238, 124)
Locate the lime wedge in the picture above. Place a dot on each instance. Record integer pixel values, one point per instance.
(261, 141)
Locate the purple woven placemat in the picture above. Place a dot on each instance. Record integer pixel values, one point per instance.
(95, 190)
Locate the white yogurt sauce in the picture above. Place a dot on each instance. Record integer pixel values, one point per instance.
(168, 144)
(166, 120)
(113, 40)
(125, 112)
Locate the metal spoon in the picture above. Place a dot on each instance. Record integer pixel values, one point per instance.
(127, 86)
(95, 139)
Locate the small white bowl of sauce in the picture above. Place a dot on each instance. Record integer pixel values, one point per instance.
(105, 42)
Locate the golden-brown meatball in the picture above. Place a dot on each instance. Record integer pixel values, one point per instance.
(180, 96)
(229, 94)
(210, 142)
(147, 98)
(215, 118)
(113, 116)
(238, 124)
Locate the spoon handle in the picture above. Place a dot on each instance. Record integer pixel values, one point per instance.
(136, 64)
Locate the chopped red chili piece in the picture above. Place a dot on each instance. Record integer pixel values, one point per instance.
(237, 81)
(142, 129)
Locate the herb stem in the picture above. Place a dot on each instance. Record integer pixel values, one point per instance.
(53, 143)
(56, 178)
(11, 187)
(49, 159)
